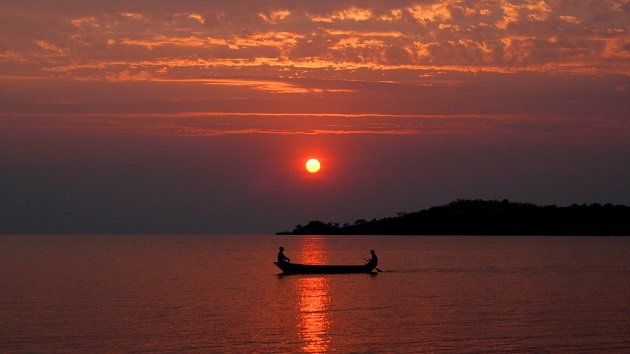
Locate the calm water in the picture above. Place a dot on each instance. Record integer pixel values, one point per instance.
(152, 294)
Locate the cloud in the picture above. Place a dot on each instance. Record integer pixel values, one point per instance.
(273, 86)
(134, 16)
(197, 17)
(275, 16)
(50, 48)
(570, 19)
(430, 12)
(253, 123)
(349, 14)
(342, 39)
(85, 22)
(161, 40)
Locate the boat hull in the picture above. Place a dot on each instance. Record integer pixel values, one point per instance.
(296, 268)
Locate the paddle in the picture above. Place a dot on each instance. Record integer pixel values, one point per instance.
(378, 270)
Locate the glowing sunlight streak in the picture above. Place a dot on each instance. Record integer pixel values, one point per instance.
(314, 321)
(314, 300)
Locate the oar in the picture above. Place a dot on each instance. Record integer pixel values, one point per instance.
(378, 270)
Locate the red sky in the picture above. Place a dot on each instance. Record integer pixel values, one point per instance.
(197, 116)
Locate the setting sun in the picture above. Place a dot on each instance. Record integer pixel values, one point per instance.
(312, 165)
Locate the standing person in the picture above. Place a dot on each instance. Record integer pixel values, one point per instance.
(281, 256)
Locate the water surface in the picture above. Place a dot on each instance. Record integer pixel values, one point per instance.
(222, 293)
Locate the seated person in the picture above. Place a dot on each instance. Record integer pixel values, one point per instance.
(374, 260)
(281, 256)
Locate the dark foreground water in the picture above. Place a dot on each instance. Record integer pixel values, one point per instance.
(91, 294)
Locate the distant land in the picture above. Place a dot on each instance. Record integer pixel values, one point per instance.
(487, 217)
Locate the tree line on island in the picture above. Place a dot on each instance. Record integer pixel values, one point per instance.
(486, 217)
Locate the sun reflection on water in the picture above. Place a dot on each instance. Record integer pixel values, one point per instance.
(312, 250)
(313, 319)
(314, 300)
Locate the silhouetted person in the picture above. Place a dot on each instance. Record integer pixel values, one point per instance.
(374, 260)
(281, 256)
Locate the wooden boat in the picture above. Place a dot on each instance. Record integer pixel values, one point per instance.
(296, 268)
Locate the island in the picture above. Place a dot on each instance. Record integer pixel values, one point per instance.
(486, 217)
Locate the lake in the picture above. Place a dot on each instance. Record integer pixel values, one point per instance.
(222, 293)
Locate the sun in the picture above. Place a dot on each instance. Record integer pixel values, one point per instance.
(313, 165)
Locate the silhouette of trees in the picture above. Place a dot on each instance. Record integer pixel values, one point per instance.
(481, 217)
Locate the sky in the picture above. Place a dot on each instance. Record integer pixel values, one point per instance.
(198, 116)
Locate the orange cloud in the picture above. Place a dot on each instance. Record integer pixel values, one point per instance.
(50, 48)
(279, 40)
(537, 11)
(307, 40)
(571, 19)
(356, 42)
(85, 22)
(391, 34)
(133, 15)
(351, 14)
(274, 16)
(197, 17)
(393, 15)
(128, 76)
(161, 40)
(430, 13)
(271, 86)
